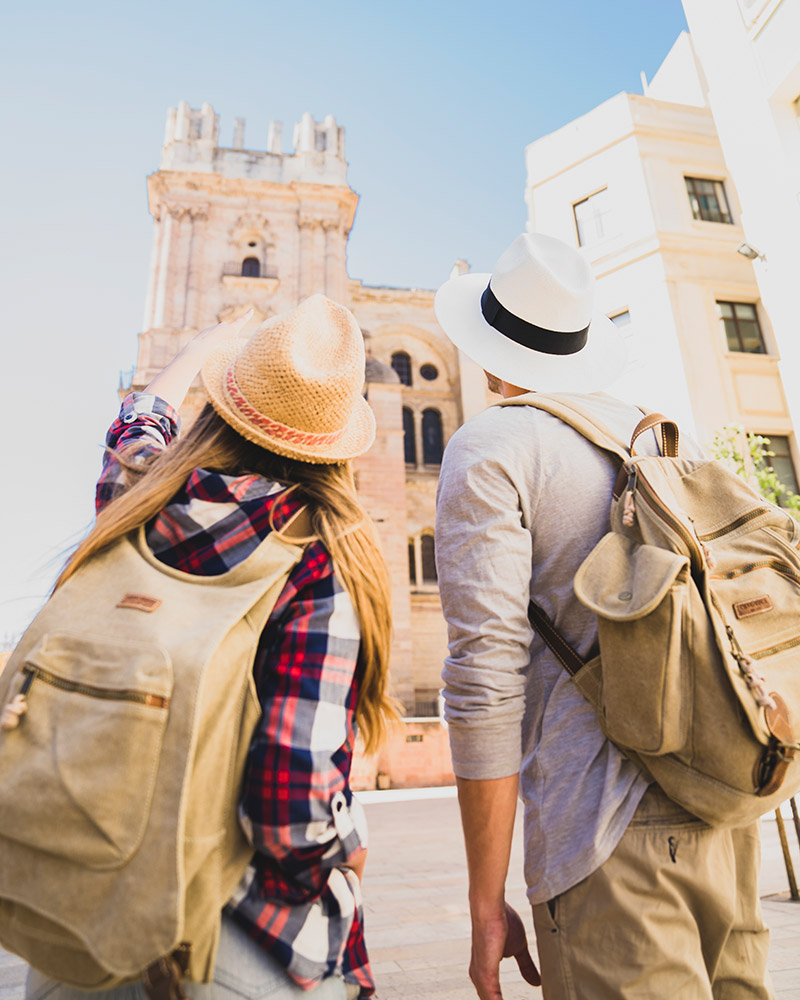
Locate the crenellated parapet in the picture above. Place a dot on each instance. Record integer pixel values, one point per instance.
(192, 143)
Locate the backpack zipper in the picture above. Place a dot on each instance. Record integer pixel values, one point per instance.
(666, 515)
(779, 648)
(92, 690)
(773, 564)
(734, 524)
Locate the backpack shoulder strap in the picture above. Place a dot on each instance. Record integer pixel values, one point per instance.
(594, 430)
(553, 639)
(585, 423)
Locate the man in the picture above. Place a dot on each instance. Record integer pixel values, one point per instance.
(632, 896)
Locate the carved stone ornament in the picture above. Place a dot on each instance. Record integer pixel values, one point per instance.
(249, 223)
(230, 312)
(180, 210)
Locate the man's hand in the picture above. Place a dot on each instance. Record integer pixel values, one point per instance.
(494, 937)
(517, 947)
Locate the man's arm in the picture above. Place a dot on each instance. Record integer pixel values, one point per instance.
(497, 930)
(484, 565)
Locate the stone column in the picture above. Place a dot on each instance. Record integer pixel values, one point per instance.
(192, 302)
(178, 267)
(382, 487)
(319, 243)
(305, 263)
(148, 320)
(334, 269)
(169, 225)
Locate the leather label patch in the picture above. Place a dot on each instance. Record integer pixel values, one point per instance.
(139, 602)
(756, 606)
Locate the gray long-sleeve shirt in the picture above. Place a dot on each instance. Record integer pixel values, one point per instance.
(522, 500)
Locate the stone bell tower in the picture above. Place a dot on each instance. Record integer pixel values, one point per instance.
(237, 227)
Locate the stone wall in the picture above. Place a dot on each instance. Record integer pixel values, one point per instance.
(416, 755)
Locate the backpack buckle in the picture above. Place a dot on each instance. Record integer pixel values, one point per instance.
(772, 767)
(162, 979)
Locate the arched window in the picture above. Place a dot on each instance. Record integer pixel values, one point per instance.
(432, 438)
(409, 442)
(401, 363)
(412, 563)
(251, 267)
(428, 559)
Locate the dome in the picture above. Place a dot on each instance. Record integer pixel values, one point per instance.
(377, 371)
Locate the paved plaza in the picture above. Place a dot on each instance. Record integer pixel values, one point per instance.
(416, 905)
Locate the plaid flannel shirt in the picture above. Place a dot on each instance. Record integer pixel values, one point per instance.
(296, 899)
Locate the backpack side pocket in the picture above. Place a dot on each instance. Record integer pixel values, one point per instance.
(640, 594)
(77, 775)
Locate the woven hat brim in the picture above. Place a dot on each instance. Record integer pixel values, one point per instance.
(356, 439)
(458, 310)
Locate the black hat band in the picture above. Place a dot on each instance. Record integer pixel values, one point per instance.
(536, 338)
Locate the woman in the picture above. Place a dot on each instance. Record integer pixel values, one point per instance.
(285, 417)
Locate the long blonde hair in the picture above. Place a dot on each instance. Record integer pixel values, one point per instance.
(337, 518)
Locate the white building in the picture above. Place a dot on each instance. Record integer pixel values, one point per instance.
(641, 184)
(749, 51)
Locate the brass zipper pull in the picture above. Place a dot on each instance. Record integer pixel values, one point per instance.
(752, 678)
(629, 505)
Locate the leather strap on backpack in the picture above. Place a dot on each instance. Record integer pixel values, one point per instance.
(556, 642)
(669, 433)
(162, 979)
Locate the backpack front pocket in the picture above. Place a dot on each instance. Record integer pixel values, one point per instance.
(77, 774)
(640, 594)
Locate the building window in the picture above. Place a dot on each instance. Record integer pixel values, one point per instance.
(409, 441)
(428, 559)
(426, 703)
(592, 218)
(251, 267)
(781, 461)
(432, 437)
(429, 372)
(422, 560)
(401, 363)
(742, 329)
(708, 200)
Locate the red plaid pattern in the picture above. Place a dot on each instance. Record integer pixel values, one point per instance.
(300, 757)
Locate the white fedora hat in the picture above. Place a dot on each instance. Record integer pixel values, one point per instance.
(531, 322)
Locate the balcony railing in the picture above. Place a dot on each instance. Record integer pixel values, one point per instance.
(234, 270)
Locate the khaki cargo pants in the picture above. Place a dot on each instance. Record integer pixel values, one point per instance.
(673, 914)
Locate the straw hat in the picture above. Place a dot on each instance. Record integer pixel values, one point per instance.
(532, 322)
(295, 386)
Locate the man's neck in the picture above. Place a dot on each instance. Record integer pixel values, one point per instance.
(509, 389)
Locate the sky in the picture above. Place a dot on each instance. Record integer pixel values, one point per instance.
(438, 100)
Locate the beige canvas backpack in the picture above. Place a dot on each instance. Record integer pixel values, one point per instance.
(119, 840)
(696, 589)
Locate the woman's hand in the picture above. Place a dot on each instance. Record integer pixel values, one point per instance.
(357, 862)
(174, 381)
(208, 340)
